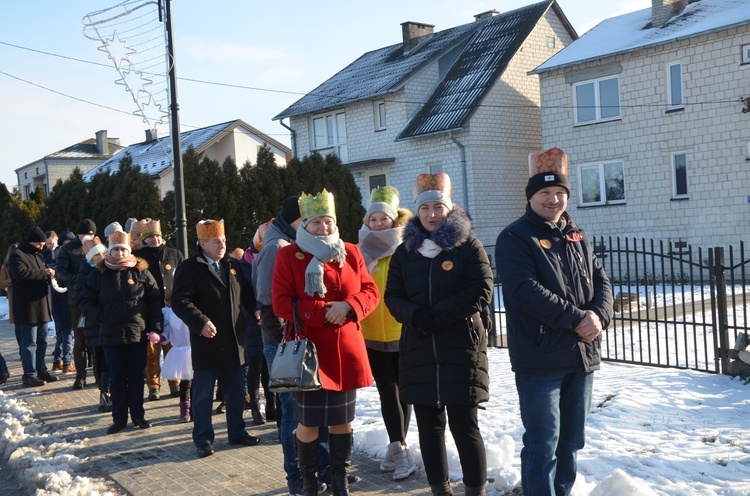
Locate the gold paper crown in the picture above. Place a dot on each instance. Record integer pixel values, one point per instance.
(387, 194)
(553, 160)
(119, 238)
(150, 227)
(136, 230)
(90, 243)
(210, 229)
(432, 182)
(260, 233)
(315, 206)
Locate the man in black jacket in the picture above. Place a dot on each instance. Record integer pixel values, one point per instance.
(32, 306)
(162, 262)
(69, 262)
(558, 299)
(209, 292)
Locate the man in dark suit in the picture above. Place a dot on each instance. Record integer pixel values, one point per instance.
(209, 292)
(32, 306)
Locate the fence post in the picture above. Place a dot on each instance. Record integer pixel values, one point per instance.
(721, 310)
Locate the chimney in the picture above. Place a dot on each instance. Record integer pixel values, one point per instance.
(414, 33)
(663, 10)
(102, 143)
(485, 15)
(150, 135)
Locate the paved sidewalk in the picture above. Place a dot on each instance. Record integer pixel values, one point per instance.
(162, 460)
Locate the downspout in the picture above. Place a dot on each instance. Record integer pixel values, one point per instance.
(46, 175)
(463, 168)
(294, 138)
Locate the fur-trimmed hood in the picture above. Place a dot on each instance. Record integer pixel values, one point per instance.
(140, 264)
(404, 215)
(449, 235)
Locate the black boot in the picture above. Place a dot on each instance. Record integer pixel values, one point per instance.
(442, 489)
(341, 459)
(80, 381)
(308, 466)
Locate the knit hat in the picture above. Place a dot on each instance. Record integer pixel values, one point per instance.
(119, 239)
(316, 206)
(210, 229)
(35, 235)
(290, 209)
(549, 168)
(433, 187)
(86, 226)
(93, 247)
(384, 200)
(65, 236)
(115, 226)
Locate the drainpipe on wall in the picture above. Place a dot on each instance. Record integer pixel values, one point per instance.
(294, 138)
(46, 176)
(463, 169)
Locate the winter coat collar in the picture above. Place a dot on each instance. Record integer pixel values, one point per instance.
(449, 235)
(141, 265)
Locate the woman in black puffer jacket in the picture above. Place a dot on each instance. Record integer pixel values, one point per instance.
(122, 297)
(439, 280)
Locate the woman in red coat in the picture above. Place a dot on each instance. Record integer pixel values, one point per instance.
(328, 281)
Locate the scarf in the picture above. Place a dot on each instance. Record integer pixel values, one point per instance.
(377, 245)
(429, 248)
(323, 249)
(122, 263)
(284, 227)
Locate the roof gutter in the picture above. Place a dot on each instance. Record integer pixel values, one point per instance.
(463, 168)
(294, 137)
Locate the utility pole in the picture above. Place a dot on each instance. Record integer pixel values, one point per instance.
(179, 183)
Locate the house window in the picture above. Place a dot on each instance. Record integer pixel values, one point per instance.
(549, 42)
(679, 175)
(377, 181)
(25, 175)
(602, 183)
(746, 54)
(379, 116)
(434, 168)
(597, 100)
(674, 86)
(329, 135)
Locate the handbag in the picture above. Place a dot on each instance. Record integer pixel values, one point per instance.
(295, 366)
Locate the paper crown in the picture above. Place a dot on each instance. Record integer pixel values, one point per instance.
(432, 182)
(119, 238)
(136, 232)
(150, 227)
(315, 206)
(388, 195)
(260, 233)
(210, 229)
(550, 161)
(92, 247)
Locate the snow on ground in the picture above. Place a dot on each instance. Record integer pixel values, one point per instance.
(652, 431)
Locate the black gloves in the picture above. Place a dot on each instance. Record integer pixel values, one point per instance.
(425, 322)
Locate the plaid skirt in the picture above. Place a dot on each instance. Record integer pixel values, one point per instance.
(324, 407)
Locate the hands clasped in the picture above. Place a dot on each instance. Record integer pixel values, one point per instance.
(209, 330)
(589, 328)
(337, 311)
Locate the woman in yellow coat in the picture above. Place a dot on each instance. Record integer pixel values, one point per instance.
(381, 232)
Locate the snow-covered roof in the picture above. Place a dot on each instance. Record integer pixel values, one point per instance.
(154, 157)
(480, 51)
(633, 31)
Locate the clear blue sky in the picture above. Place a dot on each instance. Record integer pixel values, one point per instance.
(278, 51)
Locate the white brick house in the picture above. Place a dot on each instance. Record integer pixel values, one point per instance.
(652, 108)
(458, 101)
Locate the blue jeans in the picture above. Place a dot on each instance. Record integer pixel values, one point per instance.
(553, 410)
(289, 425)
(233, 384)
(32, 346)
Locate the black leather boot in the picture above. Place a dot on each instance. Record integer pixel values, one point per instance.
(80, 381)
(308, 466)
(341, 459)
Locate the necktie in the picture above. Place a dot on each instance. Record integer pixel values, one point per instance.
(217, 268)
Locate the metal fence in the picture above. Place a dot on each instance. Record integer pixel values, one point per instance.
(675, 307)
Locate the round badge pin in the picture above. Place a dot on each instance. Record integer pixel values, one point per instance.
(545, 243)
(233, 272)
(131, 282)
(167, 266)
(447, 265)
(299, 255)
